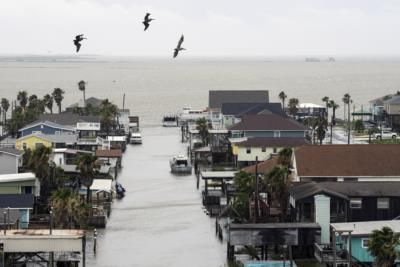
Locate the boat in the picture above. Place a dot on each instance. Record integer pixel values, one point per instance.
(180, 164)
(136, 138)
(170, 121)
(191, 115)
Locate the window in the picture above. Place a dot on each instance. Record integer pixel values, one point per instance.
(383, 203)
(36, 132)
(364, 242)
(355, 203)
(57, 132)
(275, 150)
(24, 146)
(248, 150)
(26, 190)
(277, 133)
(263, 149)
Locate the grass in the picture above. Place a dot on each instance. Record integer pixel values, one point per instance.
(385, 141)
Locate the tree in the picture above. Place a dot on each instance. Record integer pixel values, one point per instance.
(68, 209)
(202, 127)
(58, 96)
(326, 100)
(312, 123)
(48, 101)
(244, 184)
(87, 166)
(293, 106)
(334, 106)
(383, 246)
(347, 101)
(359, 126)
(277, 181)
(108, 112)
(285, 157)
(371, 131)
(321, 129)
(5, 105)
(282, 97)
(82, 87)
(39, 164)
(22, 98)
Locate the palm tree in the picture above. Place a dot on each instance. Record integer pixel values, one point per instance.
(108, 111)
(39, 164)
(58, 96)
(82, 87)
(326, 100)
(202, 127)
(48, 101)
(278, 182)
(293, 106)
(334, 106)
(321, 129)
(347, 101)
(285, 157)
(312, 123)
(5, 105)
(282, 97)
(383, 246)
(22, 98)
(68, 210)
(87, 165)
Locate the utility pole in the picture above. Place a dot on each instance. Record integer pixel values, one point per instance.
(256, 193)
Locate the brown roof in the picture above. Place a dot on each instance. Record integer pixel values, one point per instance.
(268, 122)
(263, 167)
(348, 160)
(273, 142)
(109, 153)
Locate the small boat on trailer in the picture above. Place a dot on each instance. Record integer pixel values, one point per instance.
(180, 164)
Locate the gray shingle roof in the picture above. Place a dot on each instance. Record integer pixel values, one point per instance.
(16, 201)
(217, 97)
(241, 109)
(70, 119)
(346, 189)
(269, 122)
(49, 123)
(395, 99)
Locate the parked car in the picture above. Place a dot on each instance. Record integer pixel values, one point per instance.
(385, 135)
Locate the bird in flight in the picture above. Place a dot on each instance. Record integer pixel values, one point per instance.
(179, 47)
(77, 42)
(147, 21)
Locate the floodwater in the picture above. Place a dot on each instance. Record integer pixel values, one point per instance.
(160, 222)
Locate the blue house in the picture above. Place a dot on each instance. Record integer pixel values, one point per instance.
(45, 127)
(17, 208)
(270, 125)
(353, 238)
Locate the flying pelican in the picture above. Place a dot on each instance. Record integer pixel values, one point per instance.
(77, 42)
(147, 20)
(178, 47)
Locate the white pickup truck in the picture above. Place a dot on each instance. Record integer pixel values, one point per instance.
(385, 135)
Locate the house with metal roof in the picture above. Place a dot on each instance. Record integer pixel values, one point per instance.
(217, 97)
(10, 160)
(363, 163)
(20, 183)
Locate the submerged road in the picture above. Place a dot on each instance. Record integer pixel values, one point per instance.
(160, 222)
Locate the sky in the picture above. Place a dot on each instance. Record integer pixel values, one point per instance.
(212, 28)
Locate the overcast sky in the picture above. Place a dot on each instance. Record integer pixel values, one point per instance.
(211, 27)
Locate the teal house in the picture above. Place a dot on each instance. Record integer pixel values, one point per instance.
(357, 234)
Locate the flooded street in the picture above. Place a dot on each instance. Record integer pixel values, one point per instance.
(160, 222)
